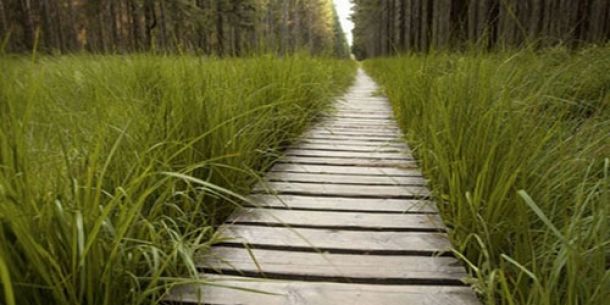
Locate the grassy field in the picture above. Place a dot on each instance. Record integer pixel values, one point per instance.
(517, 147)
(114, 170)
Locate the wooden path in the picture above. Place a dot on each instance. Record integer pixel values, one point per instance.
(343, 218)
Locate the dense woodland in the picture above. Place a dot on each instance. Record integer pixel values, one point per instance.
(217, 27)
(388, 26)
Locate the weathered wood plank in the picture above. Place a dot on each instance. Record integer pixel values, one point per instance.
(346, 143)
(343, 204)
(381, 191)
(360, 132)
(357, 126)
(335, 240)
(363, 116)
(229, 290)
(350, 148)
(352, 134)
(369, 123)
(346, 139)
(348, 161)
(373, 268)
(388, 121)
(349, 154)
(345, 220)
(350, 170)
(345, 179)
(359, 112)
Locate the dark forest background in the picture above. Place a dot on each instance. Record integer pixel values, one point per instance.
(385, 27)
(215, 27)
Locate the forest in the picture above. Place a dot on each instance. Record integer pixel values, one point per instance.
(131, 131)
(394, 26)
(211, 27)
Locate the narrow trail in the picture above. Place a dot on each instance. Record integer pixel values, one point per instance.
(343, 218)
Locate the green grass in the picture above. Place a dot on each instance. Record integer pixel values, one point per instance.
(114, 170)
(517, 148)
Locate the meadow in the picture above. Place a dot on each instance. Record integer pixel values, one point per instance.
(115, 170)
(516, 145)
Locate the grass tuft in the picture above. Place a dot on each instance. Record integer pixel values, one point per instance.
(517, 148)
(115, 170)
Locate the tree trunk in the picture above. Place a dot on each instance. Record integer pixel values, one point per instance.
(27, 23)
(219, 29)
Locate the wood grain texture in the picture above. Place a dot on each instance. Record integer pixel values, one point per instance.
(371, 267)
(374, 205)
(369, 162)
(345, 179)
(351, 148)
(349, 220)
(335, 240)
(355, 143)
(381, 191)
(347, 154)
(230, 290)
(351, 170)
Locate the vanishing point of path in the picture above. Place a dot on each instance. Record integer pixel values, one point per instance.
(341, 219)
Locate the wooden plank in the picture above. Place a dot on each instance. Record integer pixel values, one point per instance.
(340, 110)
(334, 240)
(339, 220)
(357, 126)
(230, 290)
(346, 143)
(373, 123)
(343, 139)
(352, 135)
(383, 131)
(388, 122)
(349, 154)
(357, 132)
(381, 191)
(372, 268)
(359, 116)
(358, 98)
(344, 179)
(350, 148)
(348, 161)
(363, 106)
(342, 204)
(349, 170)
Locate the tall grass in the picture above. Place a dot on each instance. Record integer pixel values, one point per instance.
(517, 147)
(114, 170)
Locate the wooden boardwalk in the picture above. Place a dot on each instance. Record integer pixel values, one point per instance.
(343, 218)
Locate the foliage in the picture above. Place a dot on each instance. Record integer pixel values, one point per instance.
(219, 27)
(384, 27)
(517, 148)
(114, 170)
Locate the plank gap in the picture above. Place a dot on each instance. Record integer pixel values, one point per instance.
(361, 196)
(330, 250)
(341, 210)
(336, 227)
(336, 279)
